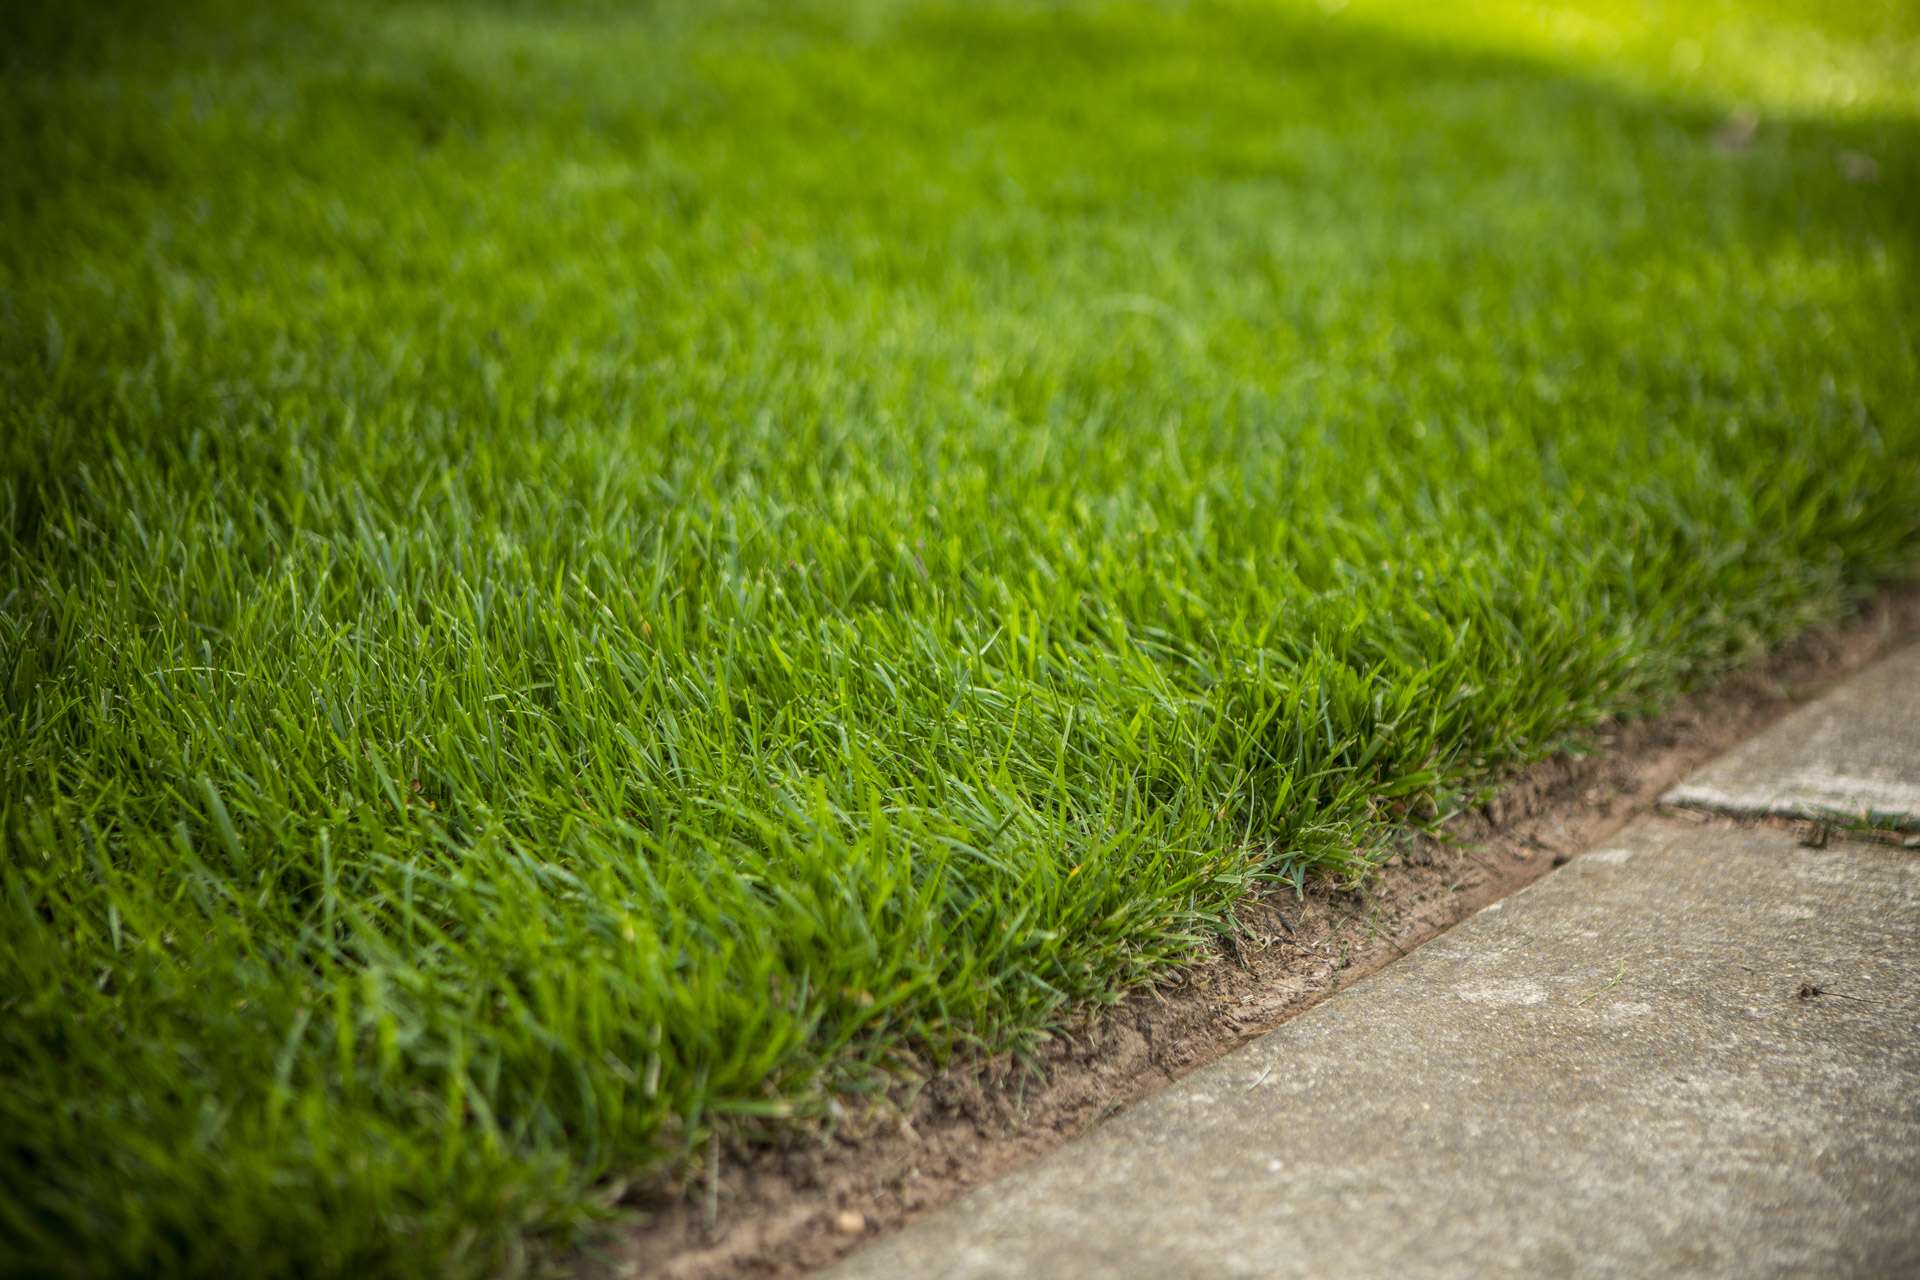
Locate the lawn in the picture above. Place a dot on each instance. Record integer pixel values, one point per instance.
(574, 577)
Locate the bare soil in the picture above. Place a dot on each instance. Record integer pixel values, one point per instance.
(786, 1209)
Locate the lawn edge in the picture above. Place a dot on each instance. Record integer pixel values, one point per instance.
(789, 1208)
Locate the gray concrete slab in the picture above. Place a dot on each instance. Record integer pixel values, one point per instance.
(1612, 1073)
(1853, 755)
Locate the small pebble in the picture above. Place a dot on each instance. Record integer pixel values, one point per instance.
(849, 1222)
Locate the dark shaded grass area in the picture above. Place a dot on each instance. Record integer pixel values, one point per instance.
(576, 576)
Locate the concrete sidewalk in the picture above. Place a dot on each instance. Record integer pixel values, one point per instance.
(1693, 1051)
(1852, 756)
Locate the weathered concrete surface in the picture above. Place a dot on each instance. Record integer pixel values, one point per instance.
(1612, 1073)
(1853, 754)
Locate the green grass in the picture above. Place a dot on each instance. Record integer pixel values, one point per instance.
(571, 577)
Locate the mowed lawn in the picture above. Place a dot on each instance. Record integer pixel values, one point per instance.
(574, 578)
